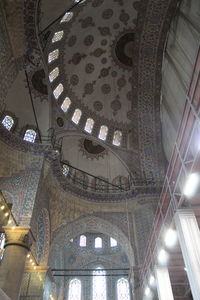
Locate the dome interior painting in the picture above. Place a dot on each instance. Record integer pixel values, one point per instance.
(99, 149)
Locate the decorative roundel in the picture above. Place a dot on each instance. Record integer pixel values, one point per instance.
(124, 49)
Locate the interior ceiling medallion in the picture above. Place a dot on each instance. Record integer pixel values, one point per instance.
(123, 50)
(91, 149)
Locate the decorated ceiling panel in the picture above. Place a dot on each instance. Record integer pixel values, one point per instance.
(96, 59)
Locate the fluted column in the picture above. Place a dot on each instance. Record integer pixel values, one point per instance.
(18, 242)
(189, 239)
(164, 287)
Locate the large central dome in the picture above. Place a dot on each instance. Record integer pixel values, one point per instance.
(97, 69)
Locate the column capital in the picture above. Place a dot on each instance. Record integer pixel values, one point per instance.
(19, 236)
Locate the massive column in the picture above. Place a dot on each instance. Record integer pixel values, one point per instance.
(164, 287)
(18, 241)
(189, 239)
(40, 281)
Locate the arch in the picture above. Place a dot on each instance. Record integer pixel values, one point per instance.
(74, 289)
(94, 224)
(99, 285)
(8, 122)
(43, 236)
(30, 135)
(123, 290)
(83, 241)
(98, 243)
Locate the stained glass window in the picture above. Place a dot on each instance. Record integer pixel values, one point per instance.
(117, 138)
(98, 242)
(123, 292)
(57, 36)
(89, 125)
(8, 122)
(65, 170)
(113, 242)
(74, 289)
(53, 74)
(83, 241)
(66, 104)
(99, 285)
(76, 116)
(58, 91)
(2, 243)
(53, 55)
(103, 132)
(30, 135)
(67, 17)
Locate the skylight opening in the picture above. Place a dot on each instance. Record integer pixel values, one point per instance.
(67, 17)
(57, 36)
(103, 132)
(66, 104)
(8, 122)
(89, 125)
(58, 91)
(76, 116)
(117, 138)
(53, 74)
(53, 55)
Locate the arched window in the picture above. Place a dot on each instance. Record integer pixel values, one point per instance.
(66, 104)
(123, 292)
(57, 36)
(98, 242)
(58, 91)
(53, 74)
(53, 55)
(113, 242)
(89, 125)
(99, 285)
(117, 138)
(76, 116)
(103, 132)
(8, 122)
(83, 241)
(30, 135)
(74, 289)
(67, 17)
(65, 170)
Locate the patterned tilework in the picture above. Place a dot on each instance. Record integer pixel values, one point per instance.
(143, 215)
(32, 286)
(20, 189)
(8, 67)
(13, 161)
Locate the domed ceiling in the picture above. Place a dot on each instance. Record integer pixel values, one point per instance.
(109, 59)
(97, 59)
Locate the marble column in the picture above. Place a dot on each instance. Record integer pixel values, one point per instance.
(189, 239)
(163, 282)
(18, 242)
